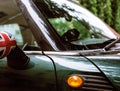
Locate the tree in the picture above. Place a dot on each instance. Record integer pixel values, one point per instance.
(107, 10)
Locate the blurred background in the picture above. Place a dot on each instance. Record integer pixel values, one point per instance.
(107, 10)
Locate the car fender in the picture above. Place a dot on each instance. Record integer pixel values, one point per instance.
(38, 76)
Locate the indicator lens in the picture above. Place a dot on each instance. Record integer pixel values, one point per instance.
(75, 81)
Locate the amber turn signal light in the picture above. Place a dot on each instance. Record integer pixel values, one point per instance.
(75, 81)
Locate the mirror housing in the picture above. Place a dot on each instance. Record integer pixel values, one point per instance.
(71, 35)
(16, 58)
(7, 43)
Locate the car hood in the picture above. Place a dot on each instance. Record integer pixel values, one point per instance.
(110, 65)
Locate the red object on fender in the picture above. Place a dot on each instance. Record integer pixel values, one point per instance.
(7, 43)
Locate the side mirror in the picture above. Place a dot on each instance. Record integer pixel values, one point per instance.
(71, 35)
(16, 58)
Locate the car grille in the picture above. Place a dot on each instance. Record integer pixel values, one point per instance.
(95, 82)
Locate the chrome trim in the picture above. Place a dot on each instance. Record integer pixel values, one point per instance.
(74, 53)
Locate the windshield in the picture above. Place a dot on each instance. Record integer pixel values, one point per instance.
(74, 23)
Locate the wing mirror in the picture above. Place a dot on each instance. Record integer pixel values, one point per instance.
(16, 58)
(71, 35)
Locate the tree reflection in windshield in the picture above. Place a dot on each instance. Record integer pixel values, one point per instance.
(64, 17)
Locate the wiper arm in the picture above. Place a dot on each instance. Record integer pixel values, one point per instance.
(107, 47)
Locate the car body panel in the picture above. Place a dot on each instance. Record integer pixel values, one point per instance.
(80, 64)
(110, 65)
(37, 77)
(41, 73)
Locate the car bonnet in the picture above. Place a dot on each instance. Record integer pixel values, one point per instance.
(110, 65)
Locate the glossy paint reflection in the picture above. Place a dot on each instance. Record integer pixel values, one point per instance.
(76, 63)
(37, 77)
(110, 65)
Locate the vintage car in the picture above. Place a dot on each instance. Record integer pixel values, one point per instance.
(60, 46)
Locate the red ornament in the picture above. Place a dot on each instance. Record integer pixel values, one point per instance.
(7, 43)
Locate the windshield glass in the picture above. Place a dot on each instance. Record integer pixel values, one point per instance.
(74, 23)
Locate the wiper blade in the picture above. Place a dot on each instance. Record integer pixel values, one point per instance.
(107, 47)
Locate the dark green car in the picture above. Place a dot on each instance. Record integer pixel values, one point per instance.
(61, 46)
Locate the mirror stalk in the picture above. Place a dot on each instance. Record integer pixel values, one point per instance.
(17, 59)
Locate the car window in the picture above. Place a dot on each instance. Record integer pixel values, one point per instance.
(63, 26)
(22, 35)
(15, 30)
(13, 21)
(75, 31)
(63, 18)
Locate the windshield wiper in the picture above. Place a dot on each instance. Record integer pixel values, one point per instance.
(107, 47)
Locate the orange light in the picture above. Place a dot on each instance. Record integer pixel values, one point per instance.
(75, 81)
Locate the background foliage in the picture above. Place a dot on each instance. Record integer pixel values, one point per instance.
(107, 10)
